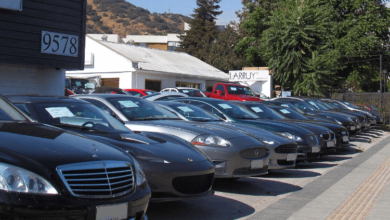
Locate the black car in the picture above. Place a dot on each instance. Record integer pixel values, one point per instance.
(175, 170)
(50, 173)
(310, 142)
(348, 121)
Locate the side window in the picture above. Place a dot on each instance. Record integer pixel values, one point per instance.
(100, 105)
(220, 87)
(23, 108)
(168, 98)
(135, 94)
(208, 108)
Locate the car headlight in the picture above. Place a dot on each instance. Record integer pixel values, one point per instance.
(291, 136)
(16, 179)
(210, 140)
(139, 174)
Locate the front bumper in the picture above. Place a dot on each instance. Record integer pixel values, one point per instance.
(306, 152)
(23, 206)
(179, 181)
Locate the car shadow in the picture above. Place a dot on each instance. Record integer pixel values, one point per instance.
(256, 186)
(314, 165)
(333, 158)
(347, 150)
(290, 173)
(369, 135)
(210, 207)
(361, 139)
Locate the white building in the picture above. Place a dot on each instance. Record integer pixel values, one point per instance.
(129, 66)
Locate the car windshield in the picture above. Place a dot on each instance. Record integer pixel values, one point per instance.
(291, 114)
(240, 90)
(338, 106)
(318, 105)
(136, 109)
(264, 112)
(325, 104)
(235, 111)
(192, 92)
(83, 115)
(8, 113)
(193, 113)
(304, 106)
(350, 105)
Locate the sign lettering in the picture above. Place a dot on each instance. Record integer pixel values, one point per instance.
(256, 75)
(59, 44)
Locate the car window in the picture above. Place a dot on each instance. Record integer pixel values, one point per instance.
(167, 98)
(100, 105)
(264, 112)
(135, 94)
(8, 113)
(193, 113)
(220, 87)
(208, 108)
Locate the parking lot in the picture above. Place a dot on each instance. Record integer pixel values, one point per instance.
(247, 196)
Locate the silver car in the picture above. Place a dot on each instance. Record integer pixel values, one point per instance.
(233, 153)
(283, 152)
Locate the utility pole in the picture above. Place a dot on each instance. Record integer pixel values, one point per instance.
(380, 70)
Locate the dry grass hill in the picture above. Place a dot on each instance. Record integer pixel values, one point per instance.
(123, 18)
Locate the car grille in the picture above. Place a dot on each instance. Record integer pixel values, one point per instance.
(98, 179)
(254, 153)
(312, 140)
(286, 148)
(193, 184)
(329, 136)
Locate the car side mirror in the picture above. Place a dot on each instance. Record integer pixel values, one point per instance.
(219, 92)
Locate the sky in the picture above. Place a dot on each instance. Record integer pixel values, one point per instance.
(186, 7)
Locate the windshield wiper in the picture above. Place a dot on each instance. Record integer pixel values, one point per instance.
(81, 127)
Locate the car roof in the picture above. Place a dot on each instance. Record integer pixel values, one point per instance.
(103, 96)
(40, 99)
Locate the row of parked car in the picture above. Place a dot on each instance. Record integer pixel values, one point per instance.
(106, 156)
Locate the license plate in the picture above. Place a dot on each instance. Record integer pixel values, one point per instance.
(291, 157)
(352, 128)
(358, 126)
(345, 139)
(256, 164)
(315, 149)
(111, 212)
(330, 144)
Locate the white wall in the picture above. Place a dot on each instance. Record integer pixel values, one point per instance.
(167, 80)
(105, 60)
(18, 80)
(264, 87)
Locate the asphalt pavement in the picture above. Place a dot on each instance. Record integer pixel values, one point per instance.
(350, 184)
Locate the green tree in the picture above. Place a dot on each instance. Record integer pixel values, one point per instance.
(298, 46)
(222, 54)
(198, 40)
(254, 18)
(361, 35)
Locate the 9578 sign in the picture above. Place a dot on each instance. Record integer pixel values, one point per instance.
(59, 44)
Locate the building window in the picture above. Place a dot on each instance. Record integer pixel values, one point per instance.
(188, 84)
(154, 85)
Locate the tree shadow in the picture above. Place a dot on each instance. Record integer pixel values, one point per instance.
(210, 207)
(256, 186)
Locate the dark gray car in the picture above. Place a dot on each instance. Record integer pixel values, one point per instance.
(283, 152)
(175, 170)
(233, 153)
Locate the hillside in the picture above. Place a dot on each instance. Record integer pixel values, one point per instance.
(123, 18)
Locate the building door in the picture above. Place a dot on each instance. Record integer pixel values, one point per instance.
(188, 84)
(154, 85)
(112, 82)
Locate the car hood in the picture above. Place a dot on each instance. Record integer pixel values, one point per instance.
(258, 133)
(38, 147)
(184, 129)
(314, 127)
(154, 147)
(275, 126)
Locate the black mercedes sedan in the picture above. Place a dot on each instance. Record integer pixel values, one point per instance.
(175, 170)
(50, 173)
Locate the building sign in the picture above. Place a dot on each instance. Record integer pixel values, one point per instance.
(59, 44)
(11, 4)
(248, 75)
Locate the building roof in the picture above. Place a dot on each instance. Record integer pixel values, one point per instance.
(166, 61)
